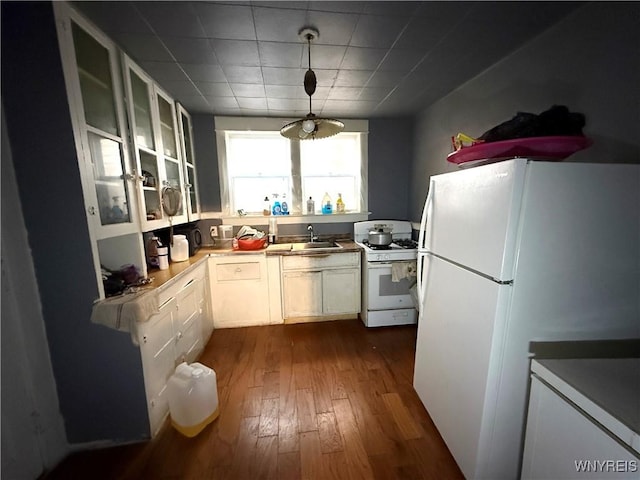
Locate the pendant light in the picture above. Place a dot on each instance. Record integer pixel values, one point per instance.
(311, 127)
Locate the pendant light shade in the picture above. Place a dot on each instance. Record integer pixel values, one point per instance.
(311, 127)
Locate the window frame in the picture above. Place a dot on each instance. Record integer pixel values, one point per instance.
(297, 203)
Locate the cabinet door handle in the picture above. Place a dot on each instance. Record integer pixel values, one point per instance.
(133, 177)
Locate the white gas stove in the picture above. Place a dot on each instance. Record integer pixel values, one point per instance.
(388, 273)
(402, 246)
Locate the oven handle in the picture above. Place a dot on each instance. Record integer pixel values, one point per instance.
(379, 264)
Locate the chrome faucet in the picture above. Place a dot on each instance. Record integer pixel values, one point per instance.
(312, 237)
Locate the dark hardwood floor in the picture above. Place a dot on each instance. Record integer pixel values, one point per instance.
(329, 400)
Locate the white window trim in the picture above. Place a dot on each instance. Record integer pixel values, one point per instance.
(271, 124)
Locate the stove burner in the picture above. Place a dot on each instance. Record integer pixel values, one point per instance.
(406, 243)
(376, 247)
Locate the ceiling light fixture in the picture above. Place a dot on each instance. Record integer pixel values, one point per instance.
(311, 126)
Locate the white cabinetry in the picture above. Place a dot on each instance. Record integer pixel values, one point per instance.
(190, 176)
(323, 285)
(302, 293)
(154, 135)
(583, 419)
(94, 88)
(176, 334)
(341, 291)
(158, 360)
(239, 290)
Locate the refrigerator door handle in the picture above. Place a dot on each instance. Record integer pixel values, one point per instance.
(425, 215)
(420, 281)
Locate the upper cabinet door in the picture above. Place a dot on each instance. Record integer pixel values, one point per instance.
(190, 176)
(91, 65)
(154, 138)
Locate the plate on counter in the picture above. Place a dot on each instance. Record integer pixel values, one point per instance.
(540, 148)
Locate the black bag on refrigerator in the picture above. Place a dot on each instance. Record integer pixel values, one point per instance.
(557, 120)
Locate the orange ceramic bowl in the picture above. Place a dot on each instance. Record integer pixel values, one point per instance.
(252, 243)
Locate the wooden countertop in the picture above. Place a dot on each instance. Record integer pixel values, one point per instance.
(160, 277)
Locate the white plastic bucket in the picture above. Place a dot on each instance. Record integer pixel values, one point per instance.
(193, 398)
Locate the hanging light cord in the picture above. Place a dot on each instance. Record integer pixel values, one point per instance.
(309, 44)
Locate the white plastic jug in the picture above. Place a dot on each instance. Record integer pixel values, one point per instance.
(193, 398)
(180, 248)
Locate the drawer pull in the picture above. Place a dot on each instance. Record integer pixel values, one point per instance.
(238, 270)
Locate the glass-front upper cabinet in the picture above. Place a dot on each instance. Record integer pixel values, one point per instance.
(190, 177)
(154, 137)
(92, 74)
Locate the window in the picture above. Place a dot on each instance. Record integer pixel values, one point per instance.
(255, 162)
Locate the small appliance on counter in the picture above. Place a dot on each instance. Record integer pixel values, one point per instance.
(226, 236)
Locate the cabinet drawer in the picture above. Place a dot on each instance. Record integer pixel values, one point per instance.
(175, 285)
(188, 307)
(158, 409)
(187, 340)
(299, 262)
(238, 271)
(154, 334)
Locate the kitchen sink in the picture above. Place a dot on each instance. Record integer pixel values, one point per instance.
(315, 245)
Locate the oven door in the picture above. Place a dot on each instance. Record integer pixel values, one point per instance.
(384, 294)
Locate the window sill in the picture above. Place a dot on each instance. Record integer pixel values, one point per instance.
(287, 219)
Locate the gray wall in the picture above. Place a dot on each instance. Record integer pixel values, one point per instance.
(589, 62)
(97, 370)
(390, 154)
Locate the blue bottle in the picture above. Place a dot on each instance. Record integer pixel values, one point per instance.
(277, 209)
(327, 207)
(284, 207)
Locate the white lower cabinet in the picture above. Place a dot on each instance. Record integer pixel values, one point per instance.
(239, 290)
(302, 293)
(341, 291)
(572, 435)
(177, 333)
(321, 285)
(158, 360)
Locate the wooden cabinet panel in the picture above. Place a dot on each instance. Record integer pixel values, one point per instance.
(299, 262)
(321, 285)
(341, 291)
(239, 291)
(238, 271)
(302, 293)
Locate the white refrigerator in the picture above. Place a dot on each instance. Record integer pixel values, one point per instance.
(510, 253)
